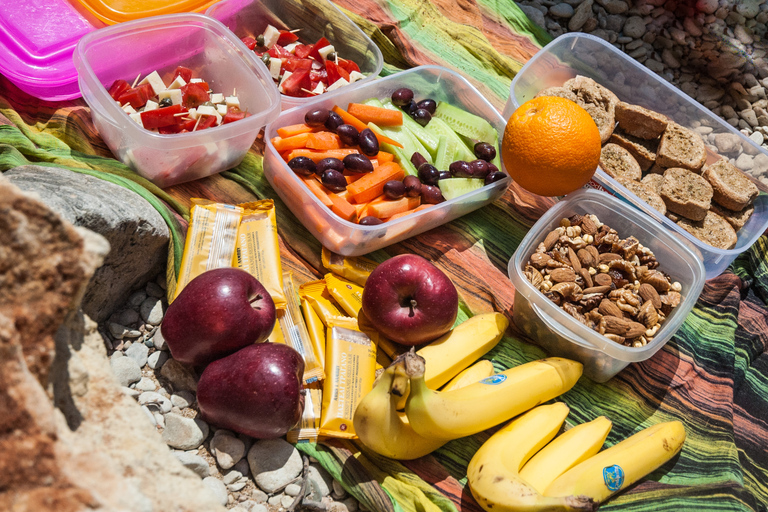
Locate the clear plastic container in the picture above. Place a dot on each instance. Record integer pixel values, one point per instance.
(37, 39)
(582, 54)
(562, 335)
(350, 239)
(314, 19)
(162, 43)
(119, 11)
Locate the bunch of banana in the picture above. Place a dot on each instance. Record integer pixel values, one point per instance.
(474, 373)
(568, 473)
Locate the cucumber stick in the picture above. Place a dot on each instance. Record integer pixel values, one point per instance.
(465, 123)
(409, 142)
(439, 127)
(455, 187)
(446, 150)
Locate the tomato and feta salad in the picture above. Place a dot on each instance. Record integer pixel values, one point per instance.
(187, 104)
(302, 70)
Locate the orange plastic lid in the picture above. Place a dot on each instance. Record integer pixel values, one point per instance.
(117, 11)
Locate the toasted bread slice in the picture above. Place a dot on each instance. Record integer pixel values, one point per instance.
(731, 188)
(643, 150)
(597, 100)
(560, 92)
(645, 193)
(712, 229)
(681, 147)
(735, 219)
(640, 122)
(653, 181)
(618, 162)
(686, 193)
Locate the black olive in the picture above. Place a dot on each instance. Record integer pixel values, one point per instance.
(368, 143)
(329, 163)
(422, 116)
(460, 169)
(431, 194)
(348, 134)
(302, 165)
(260, 40)
(429, 105)
(417, 159)
(334, 121)
(357, 163)
(333, 180)
(485, 151)
(266, 59)
(409, 108)
(402, 97)
(394, 189)
(492, 168)
(412, 186)
(479, 168)
(444, 175)
(370, 221)
(494, 177)
(317, 118)
(165, 102)
(429, 174)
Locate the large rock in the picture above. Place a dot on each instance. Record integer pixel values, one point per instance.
(136, 232)
(70, 440)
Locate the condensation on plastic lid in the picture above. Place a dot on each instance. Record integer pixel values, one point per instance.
(118, 11)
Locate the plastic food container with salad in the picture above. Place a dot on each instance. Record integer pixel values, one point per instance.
(303, 36)
(156, 48)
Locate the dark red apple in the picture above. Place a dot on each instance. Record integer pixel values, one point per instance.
(217, 313)
(256, 391)
(409, 300)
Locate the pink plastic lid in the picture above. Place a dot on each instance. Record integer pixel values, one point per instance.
(37, 39)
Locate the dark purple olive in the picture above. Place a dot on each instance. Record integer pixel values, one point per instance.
(302, 165)
(409, 108)
(334, 121)
(348, 134)
(428, 104)
(394, 189)
(429, 174)
(333, 180)
(494, 177)
(479, 168)
(370, 221)
(444, 175)
(422, 116)
(431, 194)
(460, 169)
(417, 159)
(329, 163)
(357, 163)
(368, 143)
(317, 118)
(485, 151)
(412, 186)
(492, 168)
(402, 97)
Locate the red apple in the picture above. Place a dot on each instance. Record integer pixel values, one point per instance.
(217, 313)
(256, 391)
(409, 300)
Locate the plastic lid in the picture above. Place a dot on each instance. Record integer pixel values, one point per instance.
(118, 11)
(37, 39)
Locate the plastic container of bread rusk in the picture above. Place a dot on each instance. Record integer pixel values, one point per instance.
(582, 54)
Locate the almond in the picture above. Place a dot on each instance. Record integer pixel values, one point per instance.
(586, 258)
(602, 279)
(619, 326)
(588, 227)
(562, 275)
(550, 240)
(587, 277)
(609, 308)
(634, 330)
(597, 289)
(608, 256)
(593, 251)
(649, 293)
(575, 263)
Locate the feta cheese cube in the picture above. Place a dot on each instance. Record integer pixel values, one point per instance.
(173, 94)
(151, 105)
(208, 110)
(271, 35)
(341, 82)
(274, 68)
(137, 117)
(325, 51)
(319, 89)
(177, 83)
(195, 80)
(290, 46)
(155, 81)
(192, 113)
(221, 109)
(355, 76)
(232, 101)
(217, 97)
(128, 109)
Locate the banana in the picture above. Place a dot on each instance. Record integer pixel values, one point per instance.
(621, 465)
(493, 473)
(462, 346)
(474, 373)
(384, 430)
(568, 449)
(462, 412)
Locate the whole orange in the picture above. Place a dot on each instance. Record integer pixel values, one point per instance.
(551, 146)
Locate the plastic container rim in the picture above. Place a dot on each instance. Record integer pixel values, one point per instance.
(270, 131)
(106, 106)
(579, 333)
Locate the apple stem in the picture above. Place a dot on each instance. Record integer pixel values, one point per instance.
(413, 306)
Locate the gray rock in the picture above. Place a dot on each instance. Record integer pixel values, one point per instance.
(184, 433)
(634, 27)
(136, 298)
(338, 491)
(179, 375)
(217, 487)
(351, 504)
(320, 479)
(138, 352)
(748, 8)
(749, 116)
(126, 370)
(669, 59)
(151, 310)
(154, 290)
(654, 65)
(534, 15)
(275, 500)
(227, 449)
(156, 359)
(145, 384)
(274, 463)
(155, 401)
(259, 496)
(136, 232)
(615, 6)
(561, 10)
(757, 137)
(258, 507)
(194, 462)
(709, 93)
(159, 341)
(707, 6)
(286, 501)
(237, 486)
(727, 142)
(231, 477)
(127, 317)
(292, 489)
(242, 467)
(580, 16)
(182, 399)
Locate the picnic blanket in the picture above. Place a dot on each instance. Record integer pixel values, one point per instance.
(712, 375)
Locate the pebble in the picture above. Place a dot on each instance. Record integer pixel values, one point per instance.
(292, 489)
(126, 370)
(145, 384)
(286, 501)
(274, 463)
(275, 500)
(231, 477)
(218, 488)
(182, 399)
(127, 317)
(338, 490)
(155, 402)
(580, 16)
(156, 359)
(138, 352)
(184, 433)
(159, 341)
(561, 10)
(119, 331)
(258, 507)
(534, 14)
(757, 137)
(634, 27)
(259, 496)
(154, 290)
(237, 486)
(149, 415)
(151, 310)
(707, 6)
(227, 449)
(320, 479)
(351, 504)
(196, 463)
(179, 375)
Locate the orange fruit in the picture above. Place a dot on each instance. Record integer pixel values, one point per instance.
(551, 146)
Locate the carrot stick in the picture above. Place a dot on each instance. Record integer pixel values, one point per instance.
(377, 115)
(372, 185)
(317, 155)
(350, 119)
(342, 208)
(389, 207)
(351, 178)
(323, 140)
(288, 143)
(319, 190)
(294, 129)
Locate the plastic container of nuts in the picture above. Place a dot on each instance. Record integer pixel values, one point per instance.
(562, 334)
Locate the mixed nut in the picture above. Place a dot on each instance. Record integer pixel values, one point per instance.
(611, 285)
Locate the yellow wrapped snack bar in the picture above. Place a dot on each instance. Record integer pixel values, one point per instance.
(210, 241)
(316, 330)
(350, 367)
(356, 269)
(347, 294)
(295, 331)
(316, 292)
(307, 429)
(258, 251)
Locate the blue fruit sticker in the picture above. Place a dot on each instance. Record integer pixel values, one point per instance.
(613, 476)
(494, 379)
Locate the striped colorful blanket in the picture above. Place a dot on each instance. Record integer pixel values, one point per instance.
(712, 375)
